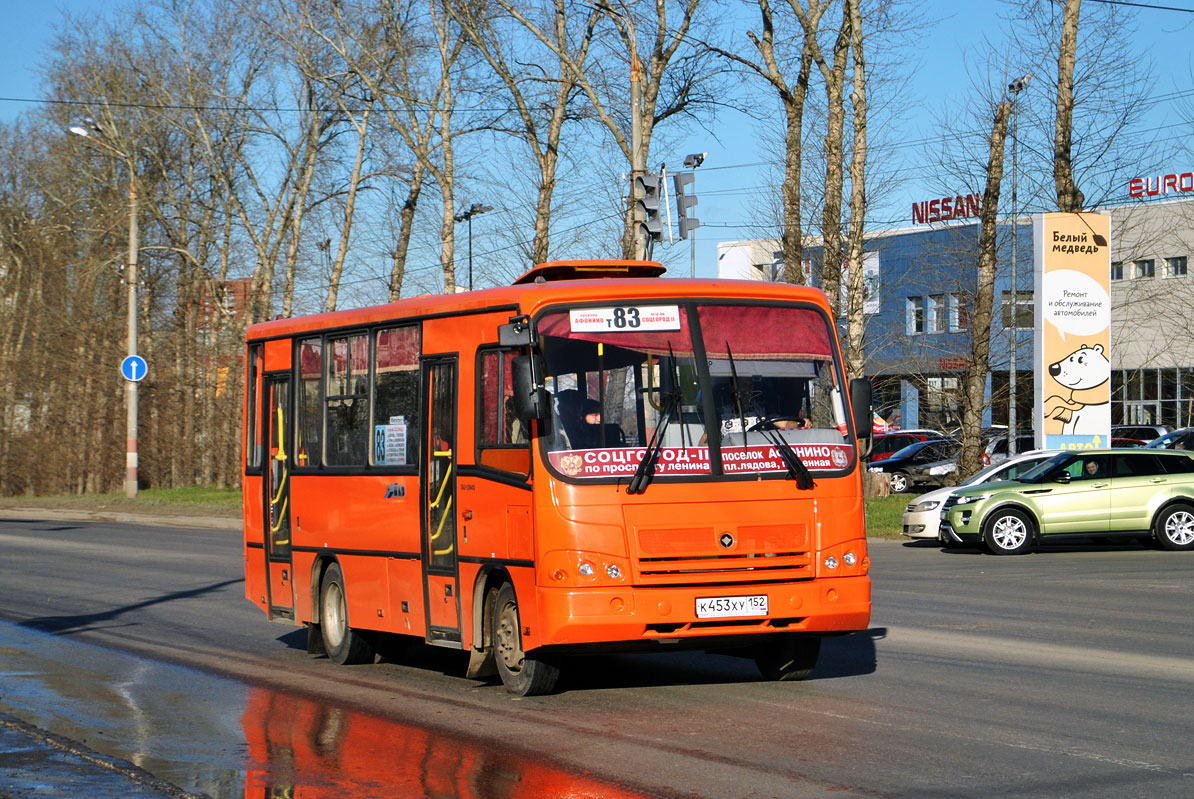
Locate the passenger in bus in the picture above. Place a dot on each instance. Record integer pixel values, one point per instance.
(580, 422)
(613, 434)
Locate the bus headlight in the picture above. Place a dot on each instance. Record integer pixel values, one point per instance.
(585, 569)
(613, 571)
(831, 562)
(850, 558)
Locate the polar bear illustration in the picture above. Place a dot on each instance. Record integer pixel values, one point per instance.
(1085, 367)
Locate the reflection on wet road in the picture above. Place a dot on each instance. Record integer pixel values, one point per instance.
(216, 737)
(306, 749)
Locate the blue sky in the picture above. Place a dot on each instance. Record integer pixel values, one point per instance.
(952, 37)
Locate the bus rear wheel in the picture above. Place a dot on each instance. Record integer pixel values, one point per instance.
(522, 674)
(343, 644)
(792, 657)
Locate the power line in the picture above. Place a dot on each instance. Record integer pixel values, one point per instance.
(1143, 5)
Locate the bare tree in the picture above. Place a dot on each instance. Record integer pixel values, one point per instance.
(973, 397)
(668, 82)
(855, 297)
(1069, 197)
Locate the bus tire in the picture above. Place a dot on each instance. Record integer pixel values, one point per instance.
(1175, 527)
(791, 657)
(523, 674)
(343, 644)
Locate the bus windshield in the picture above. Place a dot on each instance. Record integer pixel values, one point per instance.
(721, 387)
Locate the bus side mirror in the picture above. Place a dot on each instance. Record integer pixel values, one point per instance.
(860, 402)
(515, 334)
(530, 398)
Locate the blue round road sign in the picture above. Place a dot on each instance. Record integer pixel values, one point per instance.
(133, 368)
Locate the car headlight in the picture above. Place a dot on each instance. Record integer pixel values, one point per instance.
(971, 499)
(921, 507)
(945, 468)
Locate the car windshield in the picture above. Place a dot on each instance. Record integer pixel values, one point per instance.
(1038, 472)
(910, 450)
(712, 385)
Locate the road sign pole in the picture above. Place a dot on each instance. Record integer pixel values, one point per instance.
(130, 474)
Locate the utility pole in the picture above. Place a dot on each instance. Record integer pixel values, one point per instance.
(91, 131)
(1015, 87)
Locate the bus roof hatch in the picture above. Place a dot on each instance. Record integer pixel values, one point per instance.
(587, 270)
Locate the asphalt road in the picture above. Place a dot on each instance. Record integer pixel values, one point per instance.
(1065, 673)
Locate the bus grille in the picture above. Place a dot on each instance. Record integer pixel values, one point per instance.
(698, 555)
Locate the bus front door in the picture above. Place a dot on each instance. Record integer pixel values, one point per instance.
(441, 589)
(277, 498)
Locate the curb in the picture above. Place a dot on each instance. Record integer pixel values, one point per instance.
(204, 522)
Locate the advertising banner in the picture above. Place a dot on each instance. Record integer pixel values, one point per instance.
(1073, 330)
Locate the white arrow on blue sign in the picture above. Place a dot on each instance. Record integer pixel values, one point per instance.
(133, 368)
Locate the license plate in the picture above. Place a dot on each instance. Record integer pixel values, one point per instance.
(717, 607)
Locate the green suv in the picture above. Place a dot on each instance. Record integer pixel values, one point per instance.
(1085, 493)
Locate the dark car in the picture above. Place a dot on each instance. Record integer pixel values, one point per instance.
(904, 468)
(1144, 432)
(885, 444)
(1178, 439)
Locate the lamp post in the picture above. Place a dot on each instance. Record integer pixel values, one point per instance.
(692, 162)
(92, 132)
(1014, 88)
(467, 216)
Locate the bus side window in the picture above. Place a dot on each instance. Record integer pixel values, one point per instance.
(347, 402)
(310, 422)
(502, 440)
(253, 409)
(396, 393)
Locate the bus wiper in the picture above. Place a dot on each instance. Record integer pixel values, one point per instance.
(646, 467)
(796, 468)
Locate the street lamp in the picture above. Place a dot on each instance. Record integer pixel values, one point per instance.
(91, 131)
(467, 216)
(692, 161)
(1014, 88)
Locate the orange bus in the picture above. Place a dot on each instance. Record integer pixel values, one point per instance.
(592, 459)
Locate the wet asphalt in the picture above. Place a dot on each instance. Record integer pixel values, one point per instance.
(37, 763)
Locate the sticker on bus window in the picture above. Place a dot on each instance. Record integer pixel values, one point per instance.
(625, 319)
(389, 443)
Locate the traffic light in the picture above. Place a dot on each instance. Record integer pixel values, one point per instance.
(646, 190)
(684, 202)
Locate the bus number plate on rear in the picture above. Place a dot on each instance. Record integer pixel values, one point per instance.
(717, 607)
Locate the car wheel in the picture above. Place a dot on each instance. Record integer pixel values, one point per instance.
(792, 657)
(1175, 527)
(523, 674)
(1008, 532)
(899, 482)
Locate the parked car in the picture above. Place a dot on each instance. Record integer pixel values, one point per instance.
(996, 450)
(901, 466)
(1178, 439)
(1087, 493)
(922, 518)
(882, 446)
(1144, 432)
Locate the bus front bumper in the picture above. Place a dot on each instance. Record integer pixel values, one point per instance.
(627, 614)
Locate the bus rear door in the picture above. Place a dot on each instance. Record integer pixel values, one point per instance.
(441, 584)
(277, 497)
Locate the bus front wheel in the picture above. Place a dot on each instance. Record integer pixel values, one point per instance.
(343, 644)
(792, 657)
(522, 674)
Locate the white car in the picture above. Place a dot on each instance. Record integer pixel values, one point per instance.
(922, 518)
